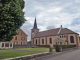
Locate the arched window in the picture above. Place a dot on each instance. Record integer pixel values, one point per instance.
(60, 36)
(42, 41)
(60, 43)
(72, 39)
(36, 41)
(50, 41)
(16, 38)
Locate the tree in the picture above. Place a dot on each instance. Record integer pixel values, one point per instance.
(11, 18)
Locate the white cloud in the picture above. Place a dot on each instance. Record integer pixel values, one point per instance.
(55, 9)
(52, 13)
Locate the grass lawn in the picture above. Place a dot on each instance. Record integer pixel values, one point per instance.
(4, 50)
(36, 49)
(14, 54)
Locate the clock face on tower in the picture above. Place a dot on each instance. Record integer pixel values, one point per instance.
(33, 34)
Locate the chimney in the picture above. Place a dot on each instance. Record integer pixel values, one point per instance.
(60, 29)
(61, 26)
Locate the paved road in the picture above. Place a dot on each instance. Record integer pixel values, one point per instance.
(72, 55)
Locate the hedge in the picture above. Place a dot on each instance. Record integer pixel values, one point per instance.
(47, 46)
(63, 47)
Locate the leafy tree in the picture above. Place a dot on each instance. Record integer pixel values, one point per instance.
(11, 18)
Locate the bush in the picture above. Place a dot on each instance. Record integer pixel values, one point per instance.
(47, 46)
(57, 48)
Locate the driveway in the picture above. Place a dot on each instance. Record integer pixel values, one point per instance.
(71, 55)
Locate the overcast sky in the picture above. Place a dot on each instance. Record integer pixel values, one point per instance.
(51, 14)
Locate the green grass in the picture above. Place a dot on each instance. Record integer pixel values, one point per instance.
(4, 50)
(36, 49)
(14, 54)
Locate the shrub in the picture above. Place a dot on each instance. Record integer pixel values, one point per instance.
(57, 48)
(47, 46)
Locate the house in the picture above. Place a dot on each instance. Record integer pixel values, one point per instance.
(54, 36)
(20, 39)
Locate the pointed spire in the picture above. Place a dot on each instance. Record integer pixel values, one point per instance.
(35, 24)
(61, 26)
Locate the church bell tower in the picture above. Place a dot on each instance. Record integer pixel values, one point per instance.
(35, 30)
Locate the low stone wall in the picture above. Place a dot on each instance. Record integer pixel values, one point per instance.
(6, 45)
(23, 46)
(29, 57)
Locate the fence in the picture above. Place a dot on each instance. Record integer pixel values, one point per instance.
(23, 46)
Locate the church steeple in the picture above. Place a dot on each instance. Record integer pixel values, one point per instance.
(35, 30)
(35, 24)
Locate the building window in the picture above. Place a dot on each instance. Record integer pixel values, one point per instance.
(21, 33)
(42, 41)
(72, 39)
(56, 43)
(36, 41)
(22, 38)
(16, 38)
(60, 36)
(60, 43)
(50, 41)
(22, 43)
(15, 43)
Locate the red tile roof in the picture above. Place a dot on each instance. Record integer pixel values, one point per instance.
(54, 32)
(67, 31)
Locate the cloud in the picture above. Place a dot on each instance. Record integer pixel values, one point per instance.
(50, 27)
(51, 14)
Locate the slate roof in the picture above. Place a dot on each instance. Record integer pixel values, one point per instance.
(35, 25)
(54, 32)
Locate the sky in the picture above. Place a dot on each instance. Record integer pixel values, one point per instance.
(51, 14)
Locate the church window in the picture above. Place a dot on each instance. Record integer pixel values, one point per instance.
(42, 41)
(50, 41)
(60, 36)
(16, 38)
(72, 39)
(36, 41)
(60, 43)
(56, 43)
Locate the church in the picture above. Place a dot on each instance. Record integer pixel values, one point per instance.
(55, 36)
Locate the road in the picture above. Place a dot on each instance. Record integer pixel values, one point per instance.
(72, 55)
